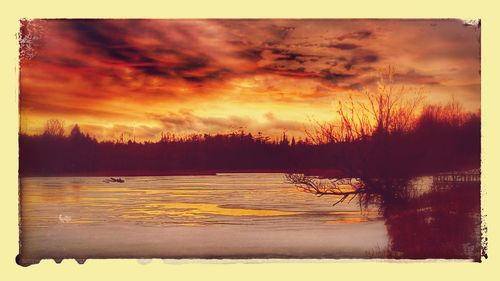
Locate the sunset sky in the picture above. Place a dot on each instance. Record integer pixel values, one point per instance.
(144, 77)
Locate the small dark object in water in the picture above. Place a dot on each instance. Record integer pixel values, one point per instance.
(120, 180)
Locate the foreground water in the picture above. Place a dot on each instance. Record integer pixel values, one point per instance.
(224, 215)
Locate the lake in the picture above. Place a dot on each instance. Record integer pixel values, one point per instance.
(215, 216)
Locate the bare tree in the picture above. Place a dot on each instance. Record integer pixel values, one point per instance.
(54, 128)
(451, 114)
(390, 108)
(362, 132)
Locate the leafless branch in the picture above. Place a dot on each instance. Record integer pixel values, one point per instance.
(344, 187)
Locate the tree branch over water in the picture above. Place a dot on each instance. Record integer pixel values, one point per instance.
(343, 187)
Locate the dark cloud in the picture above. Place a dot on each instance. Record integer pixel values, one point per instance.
(174, 120)
(357, 35)
(128, 132)
(413, 77)
(290, 55)
(299, 72)
(343, 46)
(252, 54)
(49, 107)
(96, 32)
(277, 124)
(115, 41)
(282, 32)
(154, 70)
(62, 61)
(108, 38)
(357, 60)
(370, 58)
(187, 122)
(327, 74)
(192, 63)
(112, 40)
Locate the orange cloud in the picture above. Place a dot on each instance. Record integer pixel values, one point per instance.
(108, 75)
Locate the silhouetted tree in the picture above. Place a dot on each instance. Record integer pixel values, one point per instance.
(75, 132)
(375, 142)
(391, 108)
(54, 128)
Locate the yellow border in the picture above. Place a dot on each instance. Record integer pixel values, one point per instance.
(246, 270)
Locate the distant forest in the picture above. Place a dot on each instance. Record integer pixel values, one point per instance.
(436, 142)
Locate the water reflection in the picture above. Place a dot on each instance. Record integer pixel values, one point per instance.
(444, 223)
(232, 214)
(159, 200)
(193, 209)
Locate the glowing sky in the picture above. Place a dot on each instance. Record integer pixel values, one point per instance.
(143, 77)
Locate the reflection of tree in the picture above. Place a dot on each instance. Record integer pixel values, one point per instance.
(440, 224)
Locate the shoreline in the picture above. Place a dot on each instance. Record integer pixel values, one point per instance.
(321, 172)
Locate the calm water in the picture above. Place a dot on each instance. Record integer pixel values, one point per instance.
(224, 215)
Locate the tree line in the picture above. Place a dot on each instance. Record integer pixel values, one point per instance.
(54, 153)
(437, 141)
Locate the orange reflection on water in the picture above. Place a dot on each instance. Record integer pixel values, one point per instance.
(197, 209)
(349, 220)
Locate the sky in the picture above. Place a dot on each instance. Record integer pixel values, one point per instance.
(145, 77)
